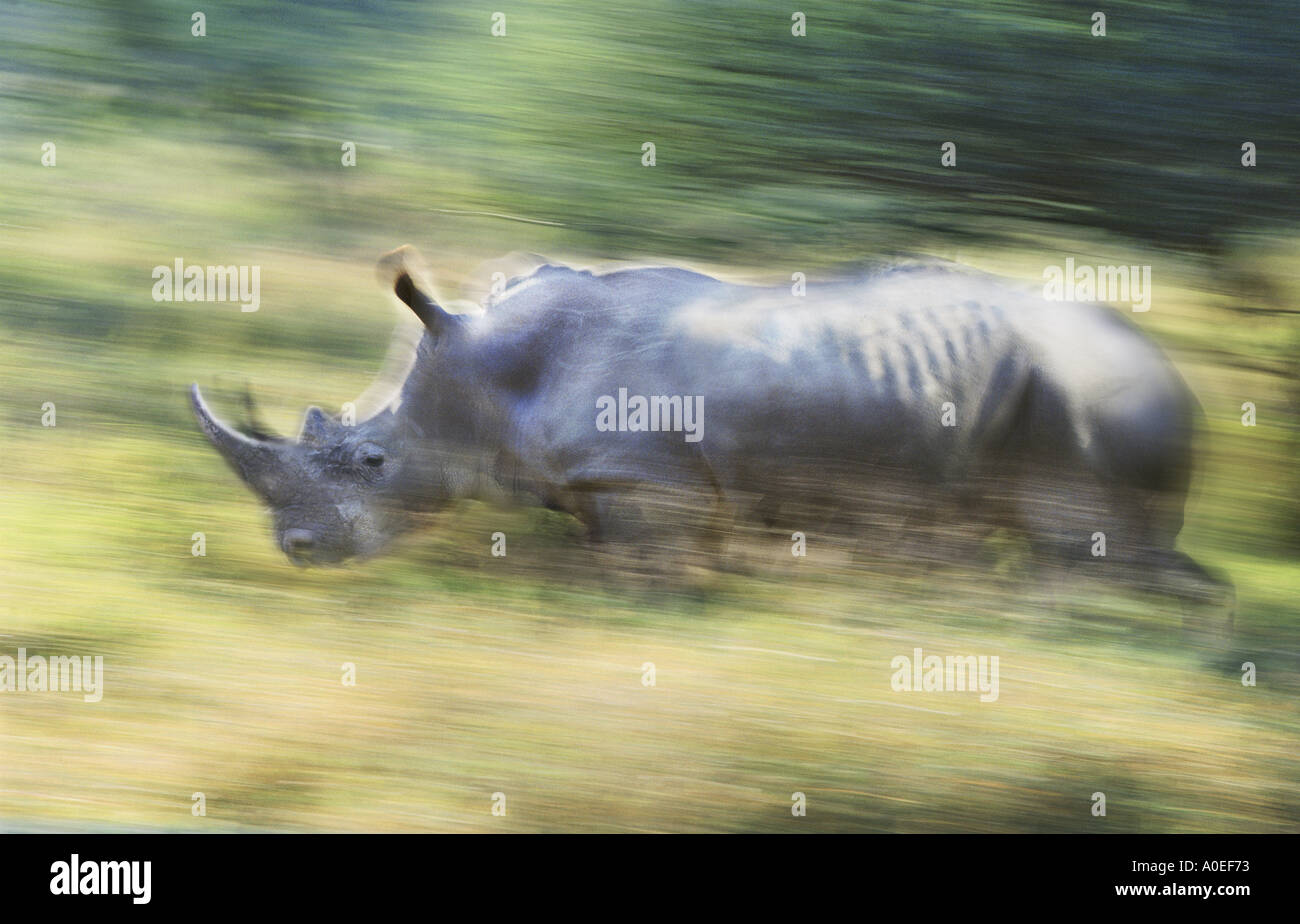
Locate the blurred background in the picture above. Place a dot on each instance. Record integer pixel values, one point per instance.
(774, 154)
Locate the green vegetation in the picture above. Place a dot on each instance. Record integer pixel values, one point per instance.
(523, 675)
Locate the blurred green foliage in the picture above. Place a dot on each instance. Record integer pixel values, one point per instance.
(766, 140)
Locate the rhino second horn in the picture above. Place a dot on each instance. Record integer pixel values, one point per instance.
(258, 427)
(254, 460)
(315, 426)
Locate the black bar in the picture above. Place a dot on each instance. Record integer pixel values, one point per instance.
(944, 873)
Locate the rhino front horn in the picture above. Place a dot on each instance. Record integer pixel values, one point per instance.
(399, 268)
(254, 460)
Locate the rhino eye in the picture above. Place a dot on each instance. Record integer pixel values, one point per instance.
(370, 456)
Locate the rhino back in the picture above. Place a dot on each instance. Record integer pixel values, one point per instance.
(919, 368)
(857, 371)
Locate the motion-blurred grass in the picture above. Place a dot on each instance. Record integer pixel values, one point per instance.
(523, 675)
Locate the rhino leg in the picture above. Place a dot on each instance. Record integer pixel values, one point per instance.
(593, 506)
(1202, 595)
(1140, 529)
(602, 503)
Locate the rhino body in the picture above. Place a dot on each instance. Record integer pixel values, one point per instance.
(910, 393)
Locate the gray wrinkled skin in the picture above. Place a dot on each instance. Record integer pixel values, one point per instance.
(1069, 419)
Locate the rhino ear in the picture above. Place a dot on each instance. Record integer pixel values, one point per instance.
(315, 426)
(398, 269)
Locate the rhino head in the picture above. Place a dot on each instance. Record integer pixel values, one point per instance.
(338, 490)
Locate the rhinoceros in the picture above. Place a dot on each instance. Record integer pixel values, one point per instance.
(919, 388)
